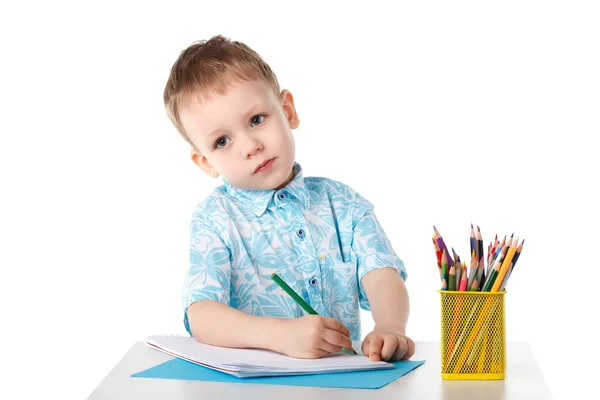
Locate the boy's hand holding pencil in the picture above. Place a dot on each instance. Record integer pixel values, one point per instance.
(312, 336)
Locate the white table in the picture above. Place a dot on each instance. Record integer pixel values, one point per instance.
(523, 380)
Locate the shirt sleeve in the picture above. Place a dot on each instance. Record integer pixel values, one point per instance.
(209, 273)
(371, 246)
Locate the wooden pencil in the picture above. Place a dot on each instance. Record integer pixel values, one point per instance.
(490, 257)
(481, 271)
(512, 265)
(475, 285)
(500, 255)
(463, 280)
(472, 239)
(479, 244)
(438, 255)
(491, 278)
(452, 278)
(444, 270)
(504, 268)
(498, 249)
(441, 243)
(454, 255)
(458, 274)
(473, 268)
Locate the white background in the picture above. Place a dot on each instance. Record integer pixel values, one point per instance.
(440, 113)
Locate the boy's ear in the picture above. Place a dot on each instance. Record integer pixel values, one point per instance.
(203, 163)
(287, 102)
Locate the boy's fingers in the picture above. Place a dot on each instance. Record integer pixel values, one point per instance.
(390, 344)
(365, 346)
(336, 338)
(336, 325)
(328, 347)
(410, 349)
(375, 348)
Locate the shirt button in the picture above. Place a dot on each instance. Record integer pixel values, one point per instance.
(300, 233)
(312, 282)
(282, 196)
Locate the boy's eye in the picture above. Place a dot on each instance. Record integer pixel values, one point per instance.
(222, 142)
(257, 120)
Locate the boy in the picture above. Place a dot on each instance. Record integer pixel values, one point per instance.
(318, 235)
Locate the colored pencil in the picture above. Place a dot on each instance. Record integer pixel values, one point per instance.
(504, 268)
(444, 270)
(441, 243)
(500, 257)
(475, 285)
(472, 239)
(458, 274)
(454, 255)
(481, 272)
(498, 249)
(512, 265)
(472, 268)
(452, 278)
(479, 244)
(463, 281)
(438, 254)
(491, 278)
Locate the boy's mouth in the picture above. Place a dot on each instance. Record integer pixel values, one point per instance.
(264, 165)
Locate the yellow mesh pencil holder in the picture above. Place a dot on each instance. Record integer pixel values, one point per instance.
(473, 344)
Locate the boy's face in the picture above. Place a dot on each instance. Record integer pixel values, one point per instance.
(244, 135)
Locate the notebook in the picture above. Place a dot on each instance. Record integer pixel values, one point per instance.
(179, 369)
(246, 363)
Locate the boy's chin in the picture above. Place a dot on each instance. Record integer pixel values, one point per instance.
(273, 181)
(265, 185)
(246, 185)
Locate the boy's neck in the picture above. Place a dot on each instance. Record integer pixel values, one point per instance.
(290, 178)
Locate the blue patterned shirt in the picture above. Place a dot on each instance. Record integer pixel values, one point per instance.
(320, 236)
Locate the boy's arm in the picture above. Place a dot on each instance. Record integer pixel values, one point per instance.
(381, 287)
(217, 324)
(390, 307)
(310, 336)
(388, 297)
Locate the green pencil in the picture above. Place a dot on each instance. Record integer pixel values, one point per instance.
(280, 282)
(444, 270)
(452, 279)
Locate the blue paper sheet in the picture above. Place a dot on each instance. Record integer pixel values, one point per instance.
(375, 379)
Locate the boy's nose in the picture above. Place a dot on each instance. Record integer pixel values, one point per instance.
(251, 147)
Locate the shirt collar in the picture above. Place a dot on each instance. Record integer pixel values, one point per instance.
(259, 200)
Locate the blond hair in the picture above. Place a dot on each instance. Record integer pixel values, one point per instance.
(209, 66)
